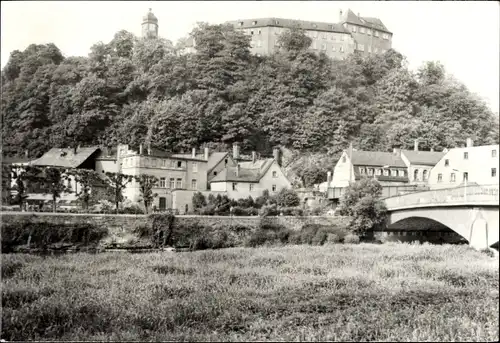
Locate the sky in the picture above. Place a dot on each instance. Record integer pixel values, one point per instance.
(462, 35)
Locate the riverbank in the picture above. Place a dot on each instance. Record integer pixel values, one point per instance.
(342, 292)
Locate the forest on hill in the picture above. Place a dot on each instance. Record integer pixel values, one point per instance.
(134, 90)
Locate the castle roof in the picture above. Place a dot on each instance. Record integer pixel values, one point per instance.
(288, 23)
(150, 17)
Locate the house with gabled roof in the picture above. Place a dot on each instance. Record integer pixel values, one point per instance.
(251, 178)
(420, 163)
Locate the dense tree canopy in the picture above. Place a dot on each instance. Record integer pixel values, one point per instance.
(134, 90)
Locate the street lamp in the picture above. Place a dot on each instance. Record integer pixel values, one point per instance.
(465, 184)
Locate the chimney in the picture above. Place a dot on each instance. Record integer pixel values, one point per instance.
(432, 149)
(140, 149)
(236, 151)
(396, 151)
(415, 145)
(328, 178)
(206, 154)
(254, 156)
(193, 153)
(277, 156)
(470, 143)
(238, 170)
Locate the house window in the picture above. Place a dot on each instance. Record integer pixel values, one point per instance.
(178, 184)
(378, 171)
(370, 171)
(251, 187)
(323, 46)
(333, 48)
(215, 173)
(440, 177)
(353, 28)
(164, 163)
(324, 35)
(343, 159)
(375, 50)
(446, 163)
(259, 43)
(415, 175)
(466, 155)
(259, 32)
(341, 38)
(273, 188)
(276, 22)
(493, 153)
(386, 172)
(275, 174)
(493, 172)
(234, 186)
(361, 47)
(393, 172)
(361, 170)
(361, 30)
(163, 183)
(341, 49)
(194, 184)
(241, 23)
(252, 44)
(195, 167)
(172, 164)
(424, 175)
(452, 177)
(401, 173)
(369, 48)
(369, 32)
(466, 176)
(375, 33)
(254, 22)
(172, 183)
(179, 164)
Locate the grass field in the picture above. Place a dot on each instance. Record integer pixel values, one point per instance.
(390, 292)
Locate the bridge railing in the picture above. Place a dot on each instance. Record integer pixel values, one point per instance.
(465, 195)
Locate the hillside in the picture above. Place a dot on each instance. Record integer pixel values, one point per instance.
(136, 91)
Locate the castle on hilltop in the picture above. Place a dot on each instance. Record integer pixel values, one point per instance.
(352, 33)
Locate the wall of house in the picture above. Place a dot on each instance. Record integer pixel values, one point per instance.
(106, 165)
(343, 172)
(479, 167)
(370, 42)
(221, 165)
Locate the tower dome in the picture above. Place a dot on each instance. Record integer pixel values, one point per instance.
(150, 17)
(150, 25)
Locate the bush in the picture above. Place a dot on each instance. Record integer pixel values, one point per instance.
(291, 211)
(287, 198)
(269, 234)
(268, 210)
(351, 239)
(332, 238)
(41, 235)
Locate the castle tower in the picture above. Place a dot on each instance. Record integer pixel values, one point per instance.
(149, 25)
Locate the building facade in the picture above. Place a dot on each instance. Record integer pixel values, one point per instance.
(468, 165)
(420, 164)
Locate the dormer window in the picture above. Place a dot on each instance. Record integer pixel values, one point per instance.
(254, 22)
(315, 26)
(276, 22)
(241, 23)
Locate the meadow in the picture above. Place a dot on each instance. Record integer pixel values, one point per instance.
(339, 292)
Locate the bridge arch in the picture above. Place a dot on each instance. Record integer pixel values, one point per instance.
(479, 226)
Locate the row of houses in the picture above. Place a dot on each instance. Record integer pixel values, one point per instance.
(414, 170)
(179, 175)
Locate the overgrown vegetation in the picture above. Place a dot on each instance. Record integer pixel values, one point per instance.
(132, 90)
(357, 293)
(42, 235)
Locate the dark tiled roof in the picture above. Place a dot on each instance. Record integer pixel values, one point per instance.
(376, 159)
(429, 158)
(214, 159)
(65, 157)
(373, 23)
(10, 160)
(289, 23)
(249, 172)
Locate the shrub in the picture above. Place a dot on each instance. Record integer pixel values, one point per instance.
(320, 237)
(268, 210)
(291, 211)
(160, 228)
(287, 198)
(269, 234)
(199, 201)
(351, 239)
(332, 238)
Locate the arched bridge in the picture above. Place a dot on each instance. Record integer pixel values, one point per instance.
(471, 211)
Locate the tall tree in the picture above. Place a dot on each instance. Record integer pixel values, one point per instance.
(146, 185)
(117, 182)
